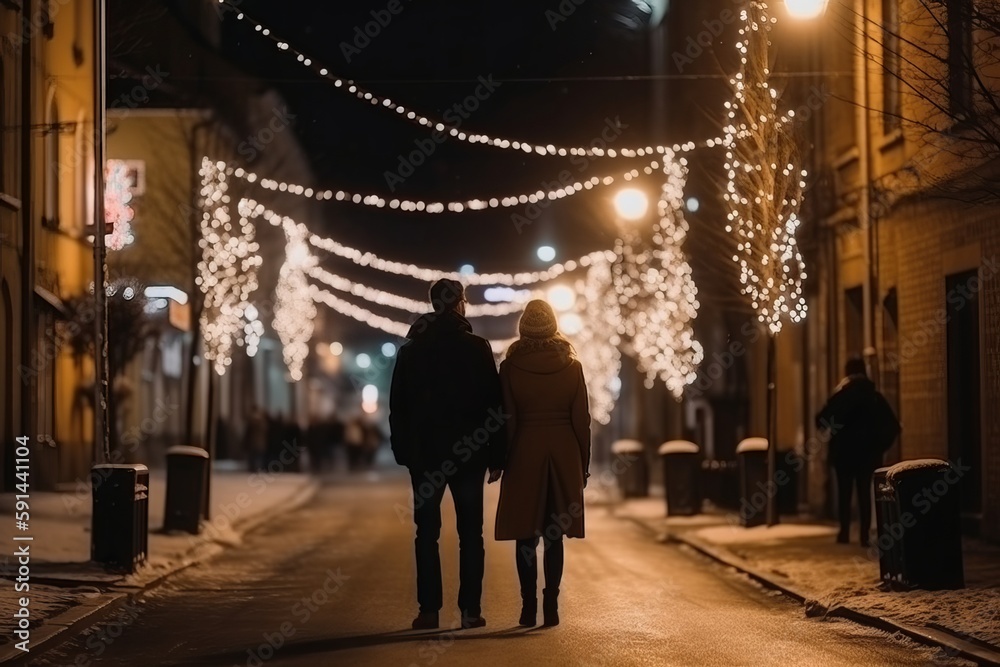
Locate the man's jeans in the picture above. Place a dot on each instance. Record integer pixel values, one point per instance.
(467, 492)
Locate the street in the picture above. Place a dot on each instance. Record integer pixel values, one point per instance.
(333, 584)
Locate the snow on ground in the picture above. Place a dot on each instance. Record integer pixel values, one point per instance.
(846, 574)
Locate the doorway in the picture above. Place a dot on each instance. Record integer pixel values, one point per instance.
(963, 390)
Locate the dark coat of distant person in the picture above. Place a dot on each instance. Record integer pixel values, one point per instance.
(860, 423)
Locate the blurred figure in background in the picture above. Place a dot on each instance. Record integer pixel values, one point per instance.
(255, 438)
(861, 427)
(318, 443)
(374, 437)
(354, 442)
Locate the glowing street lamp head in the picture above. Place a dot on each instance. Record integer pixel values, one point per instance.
(546, 253)
(806, 9)
(631, 204)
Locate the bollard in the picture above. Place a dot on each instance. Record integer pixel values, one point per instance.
(187, 475)
(119, 537)
(752, 456)
(681, 473)
(630, 469)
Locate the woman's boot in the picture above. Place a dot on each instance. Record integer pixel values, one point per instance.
(527, 574)
(550, 607)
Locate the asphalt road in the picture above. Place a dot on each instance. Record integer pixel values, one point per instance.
(333, 584)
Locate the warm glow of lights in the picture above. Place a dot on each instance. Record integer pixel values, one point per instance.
(369, 408)
(692, 204)
(363, 360)
(570, 324)
(369, 393)
(517, 200)
(227, 272)
(631, 204)
(546, 253)
(349, 87)
(336, 349)
(117, 212)
(561, 297)
(806, 9)
(764, 189)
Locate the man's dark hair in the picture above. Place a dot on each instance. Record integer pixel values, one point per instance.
(446, 294)
(855, 366)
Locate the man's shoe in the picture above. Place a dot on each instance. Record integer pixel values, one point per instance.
(426, 620)
(469, 621)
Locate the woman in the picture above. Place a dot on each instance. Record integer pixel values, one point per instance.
(541, 494)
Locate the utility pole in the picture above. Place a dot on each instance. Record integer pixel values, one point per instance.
(102, 453)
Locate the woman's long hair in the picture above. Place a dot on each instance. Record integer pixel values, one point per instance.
(557, 341)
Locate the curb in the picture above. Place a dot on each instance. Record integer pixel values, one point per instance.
(954, 646)
(54, 631)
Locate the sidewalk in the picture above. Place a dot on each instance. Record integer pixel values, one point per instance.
(66, 587)
(804, 561)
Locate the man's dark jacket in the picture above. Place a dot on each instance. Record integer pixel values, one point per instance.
(860, 422)
(446, 402)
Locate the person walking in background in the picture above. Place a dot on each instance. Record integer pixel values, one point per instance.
(255, 439)
(861, 427)
(354, 442)
(548, 461)
(446, 427)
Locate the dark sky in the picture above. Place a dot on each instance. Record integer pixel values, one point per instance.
(560, 85)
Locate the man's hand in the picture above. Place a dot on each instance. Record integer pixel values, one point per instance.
(495, 474)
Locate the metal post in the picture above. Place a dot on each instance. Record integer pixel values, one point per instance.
(101, 398)
(862, 137)
(772, 434)
(28, 396)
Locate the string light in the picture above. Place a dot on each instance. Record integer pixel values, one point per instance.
(388, 325)
(372, 260)
(294, 309)
(597, 342)
(227, 272)
(465, 205)
(663, 338)
(349, 87)
(383, 298)
(117, 212)
(764, 188)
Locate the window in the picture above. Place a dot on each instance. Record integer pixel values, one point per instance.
(50, 214)
(960, 57)
(891, 103)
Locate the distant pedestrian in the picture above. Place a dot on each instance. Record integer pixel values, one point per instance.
(354, 443)
(548, 460)
(255, 439)
(447, 429)
(861, 427)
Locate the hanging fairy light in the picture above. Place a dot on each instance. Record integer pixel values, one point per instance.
(662, 336)
(227, 272)
(368, 259)
(597, 341)
(383, 298)
(294, 310)
(465, 205)
(117, 212)
(349, 87)
(764, 187)
(386, 324)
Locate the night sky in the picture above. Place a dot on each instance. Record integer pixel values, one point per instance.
(561, 81)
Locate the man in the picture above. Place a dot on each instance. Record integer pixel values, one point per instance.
(861, 427)
(446, 427)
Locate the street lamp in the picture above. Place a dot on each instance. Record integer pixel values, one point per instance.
(336, 349)
(631, 204)
(546, 253)
(806, 9)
